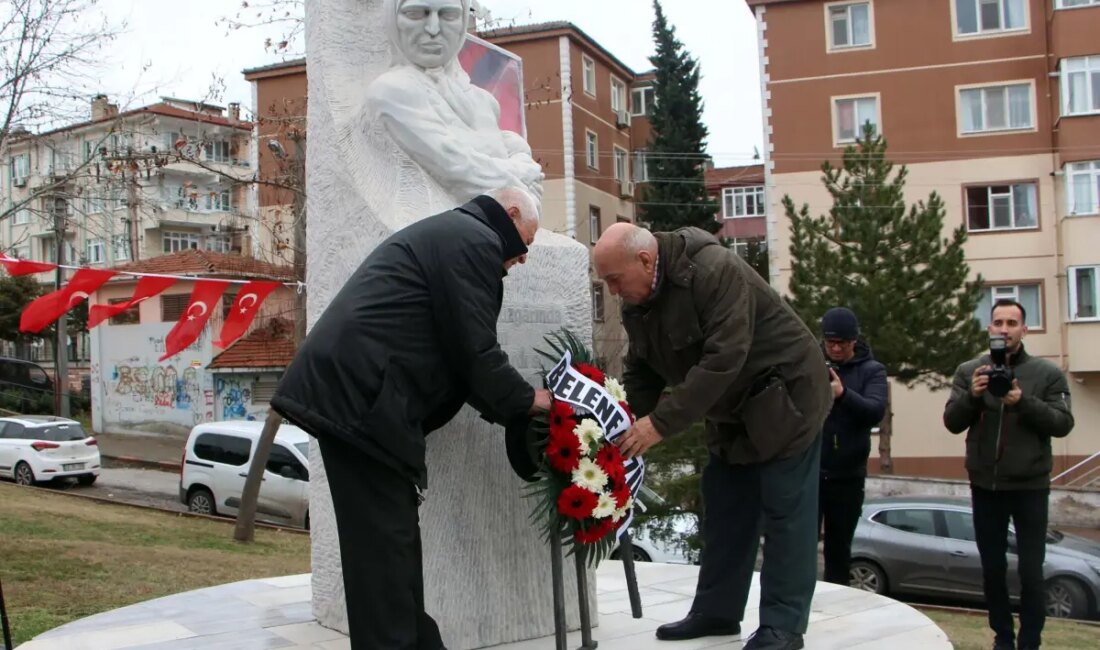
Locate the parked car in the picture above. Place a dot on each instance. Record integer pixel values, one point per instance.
(25, 387)
(215, 464)
(648, 549)
(39, 448)
(926, 546)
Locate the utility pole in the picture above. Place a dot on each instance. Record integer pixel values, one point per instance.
(61, 342)
(245, 529)
(132, 213)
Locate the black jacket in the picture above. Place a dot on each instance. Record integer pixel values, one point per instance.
(1008, 447)
(411, 337)
(846, 442)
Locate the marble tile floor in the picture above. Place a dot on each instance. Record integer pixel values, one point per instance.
(276, 613)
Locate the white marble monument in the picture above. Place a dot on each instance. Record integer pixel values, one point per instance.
(397, 133)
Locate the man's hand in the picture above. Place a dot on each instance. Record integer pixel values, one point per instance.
(979, 381)
(834, 381)
(638, 438)
(541, 403)
(1014, 395)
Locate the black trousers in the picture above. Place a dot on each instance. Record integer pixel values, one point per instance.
(379, 531)
(1028, 511)
(778, 498)
(841, 502)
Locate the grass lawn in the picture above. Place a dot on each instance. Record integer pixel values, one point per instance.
(64, 558)
(971, 632)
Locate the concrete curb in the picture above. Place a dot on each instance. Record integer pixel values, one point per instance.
(143, 462)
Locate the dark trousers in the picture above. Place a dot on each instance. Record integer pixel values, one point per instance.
(841, 502)
(379, 531)
(780, 499)
(1028, 511)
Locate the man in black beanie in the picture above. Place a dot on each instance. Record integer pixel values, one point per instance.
(859, 403)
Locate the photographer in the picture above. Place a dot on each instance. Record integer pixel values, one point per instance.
(1012, 404)
(859, 402)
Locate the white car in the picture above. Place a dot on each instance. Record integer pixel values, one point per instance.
(648, 549)
(215, 465)
(39, 448)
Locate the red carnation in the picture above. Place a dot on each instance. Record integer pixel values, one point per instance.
(563, 453)
(590, 371)
(562, 417)
(594, 532)
(576, 502)
(629, 413)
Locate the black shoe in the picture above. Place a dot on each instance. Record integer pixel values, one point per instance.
(696, 625)
(1004, 645)
(769, 638)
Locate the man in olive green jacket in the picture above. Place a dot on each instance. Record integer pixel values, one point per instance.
(709, 339)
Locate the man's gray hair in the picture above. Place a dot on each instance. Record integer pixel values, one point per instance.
(515, 196)
(639, 239)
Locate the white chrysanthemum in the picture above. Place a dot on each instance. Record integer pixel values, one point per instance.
(614, 389)
(605, 507)
(589, 476)
(621, 512)
(588, 432)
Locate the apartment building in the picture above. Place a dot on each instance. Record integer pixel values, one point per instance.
(742, 211)
(995, 105)
(586, 121)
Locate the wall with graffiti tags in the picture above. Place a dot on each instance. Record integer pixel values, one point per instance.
(235, 395)
(135, 391)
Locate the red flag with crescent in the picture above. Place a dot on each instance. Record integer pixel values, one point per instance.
(46, 309)
(244, 311)
(16, 266)
(205, 297)
(147, 287)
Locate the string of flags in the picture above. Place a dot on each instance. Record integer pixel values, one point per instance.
(206, 294)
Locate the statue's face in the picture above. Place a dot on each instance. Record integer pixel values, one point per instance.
(430, 31)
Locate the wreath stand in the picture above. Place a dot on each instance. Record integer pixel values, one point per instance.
(579, 560)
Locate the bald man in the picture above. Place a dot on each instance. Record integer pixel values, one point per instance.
(711, 341)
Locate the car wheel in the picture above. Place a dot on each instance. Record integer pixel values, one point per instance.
(24, 475)
(201, 502)
(87, 479)
(638, 554)
(867, 576)
(1066, 599)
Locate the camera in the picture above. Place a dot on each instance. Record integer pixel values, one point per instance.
(1000, 375)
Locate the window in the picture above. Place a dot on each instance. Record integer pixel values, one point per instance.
(588, 68)
(93, 203)
(172, 306)
(594, 226)
(641, 100)
(849, 25)
(921, 522)
(995, 108)
(1083, 180)
(218, 448)
(597, 302)
(219, 201)
(120, 247)
(591, 150)
(131, 316)
(21, 252)
(228, 298)
(20, 168)
(217, 151)
(22, 217)
(851, 114)
(1066, 4)
(96, 251)
(175, 242)
(974, 17)
(959, 525)
(618, 95)
(1083, 293)
(1028, 295)
(620, 165)
(1081, 85)
(641, 166)
(219, 243)
(743, 202)
(281, 459)
(1002, 207)
(744, 247)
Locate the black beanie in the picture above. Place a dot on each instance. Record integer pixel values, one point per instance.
(840, 323)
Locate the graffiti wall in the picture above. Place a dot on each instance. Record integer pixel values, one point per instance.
(234, 393)
(136, 391)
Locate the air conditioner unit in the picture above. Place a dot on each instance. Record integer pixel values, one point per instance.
(626, 189)
(20, 182)
(622, 119)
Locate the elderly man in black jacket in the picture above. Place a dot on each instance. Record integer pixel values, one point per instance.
(408, 340)
(859, 402)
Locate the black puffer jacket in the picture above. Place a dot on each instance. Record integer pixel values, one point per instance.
(846, 442)
(410, 338)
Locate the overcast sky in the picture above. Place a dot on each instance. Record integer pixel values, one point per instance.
(174, 48)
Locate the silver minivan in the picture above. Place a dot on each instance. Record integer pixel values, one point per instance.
(216, 461)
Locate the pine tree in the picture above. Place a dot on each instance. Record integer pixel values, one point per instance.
(891, 265)
(676, 195)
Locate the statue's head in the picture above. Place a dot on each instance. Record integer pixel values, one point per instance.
(429, 33)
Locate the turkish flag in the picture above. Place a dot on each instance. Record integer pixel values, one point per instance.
(46, 309)
(205, 297)
(244, 311)
(147, 287)
(16, 266)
